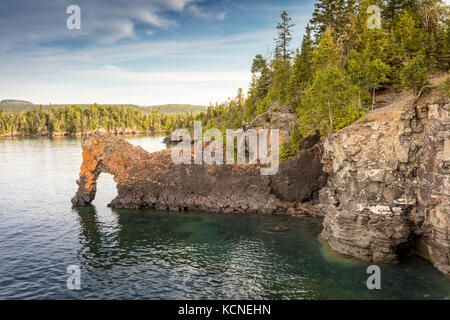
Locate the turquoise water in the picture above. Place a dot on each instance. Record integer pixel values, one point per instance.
(132, 254)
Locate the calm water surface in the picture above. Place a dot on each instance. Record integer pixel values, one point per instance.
(131, 254)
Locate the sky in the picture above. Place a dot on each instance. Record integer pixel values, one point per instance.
(143, 52)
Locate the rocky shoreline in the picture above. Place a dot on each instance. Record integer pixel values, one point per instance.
(382, 185)
(115, 132)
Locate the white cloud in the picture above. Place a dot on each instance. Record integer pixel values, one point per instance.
(44, 74)
(124, 92)
(176, 5)
(57, 60)
(205, 15)
(112, 73)
(25, 24)
(149, 17)
(59, 76)
(122, 30)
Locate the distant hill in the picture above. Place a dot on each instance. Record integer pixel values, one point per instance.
(15, 104)
(19, 105)
(177, 108)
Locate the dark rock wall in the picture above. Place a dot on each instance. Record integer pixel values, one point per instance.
(301, 178)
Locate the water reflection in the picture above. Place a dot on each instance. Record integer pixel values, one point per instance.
(156, 254)
(188, 255)
(90, 234)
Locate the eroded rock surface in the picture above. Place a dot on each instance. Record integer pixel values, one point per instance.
(152, 180)
(278, 117)
(389, 186)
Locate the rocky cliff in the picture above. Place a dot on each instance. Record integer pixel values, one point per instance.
(388, 192)
(152, 180)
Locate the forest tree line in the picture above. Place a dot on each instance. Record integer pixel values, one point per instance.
(17, 106)
(333, 77)
(330, 79)
(72, 120)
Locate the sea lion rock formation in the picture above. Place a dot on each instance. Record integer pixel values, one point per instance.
(152, 180)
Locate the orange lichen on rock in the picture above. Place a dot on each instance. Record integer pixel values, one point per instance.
(90, 164)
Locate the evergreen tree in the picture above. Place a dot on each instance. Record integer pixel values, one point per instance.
(368, 74)
(284, 36)
(281, 73)
(414, 74)
(334, 14)
(434, 20)
(405, 41)
(327, 52)
(330, 103)
(302, 68)
(323, 16)
(392, 8)
(259, 86)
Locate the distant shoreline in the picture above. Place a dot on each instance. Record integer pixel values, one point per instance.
(79, 134)
(163, 108)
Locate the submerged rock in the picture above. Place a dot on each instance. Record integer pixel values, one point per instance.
(278, 229)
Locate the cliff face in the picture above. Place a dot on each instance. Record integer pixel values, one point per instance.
(389, 186)
(152, 180)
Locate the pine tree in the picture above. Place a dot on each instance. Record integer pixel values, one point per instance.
(334, 14)
(414, 74)
(323, 16)
(259, 86)
(284, 36)
(330, 103)
(443, 48)
(434, 20)
(368, 74)
(392, 8)
(405, 41)
(281, 74)
(302, 68)
(327, 52)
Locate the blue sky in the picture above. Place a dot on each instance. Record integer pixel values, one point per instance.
(138, 51)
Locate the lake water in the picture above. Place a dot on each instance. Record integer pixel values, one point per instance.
(133, 254)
